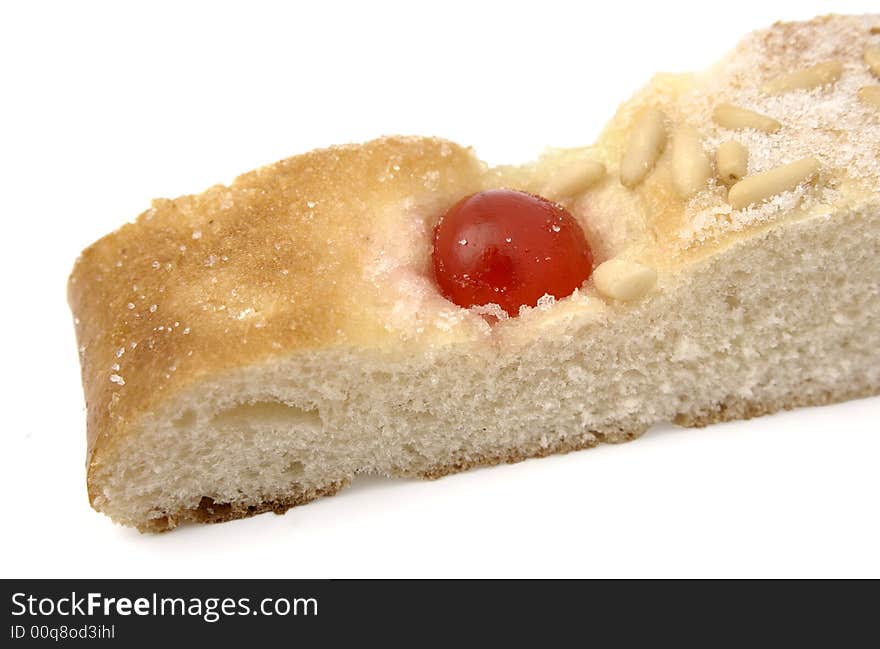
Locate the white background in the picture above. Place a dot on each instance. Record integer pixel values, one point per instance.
(104, 106)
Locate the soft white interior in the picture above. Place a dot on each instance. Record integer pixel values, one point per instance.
(790, 316)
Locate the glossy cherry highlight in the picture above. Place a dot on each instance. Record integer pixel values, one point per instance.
(509, 248)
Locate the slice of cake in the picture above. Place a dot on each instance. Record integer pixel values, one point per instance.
(258, 345)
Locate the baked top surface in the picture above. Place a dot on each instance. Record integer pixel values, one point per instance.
(332, 247)
(830, 123)
(271, 264)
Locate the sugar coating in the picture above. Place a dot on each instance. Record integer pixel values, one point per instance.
(829, 123)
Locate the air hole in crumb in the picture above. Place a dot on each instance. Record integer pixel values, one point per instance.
(412, 451)
(294, 469)
(274, 413)
(210, 510)
(732, 301)
(251, 475)
(186, 420)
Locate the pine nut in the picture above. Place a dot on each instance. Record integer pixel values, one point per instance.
(819, 75)
(870, 95)
(732, 162)
(691, 168)
(762, 186)
(735, 118)
(624, 280)
(574, 179)
(646, 142)
(872, 58)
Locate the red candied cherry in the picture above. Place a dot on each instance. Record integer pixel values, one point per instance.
(510, 248)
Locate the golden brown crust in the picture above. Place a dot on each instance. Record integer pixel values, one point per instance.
(210, 512)
(735, 409)
(236, 275)
(512, 456)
